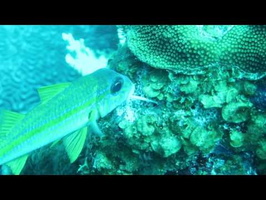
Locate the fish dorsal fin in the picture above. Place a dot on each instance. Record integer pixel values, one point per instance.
(17, 165)
(7, 120)
(74, 143)
(48, 92)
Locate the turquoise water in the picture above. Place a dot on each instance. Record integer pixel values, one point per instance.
(206, 84)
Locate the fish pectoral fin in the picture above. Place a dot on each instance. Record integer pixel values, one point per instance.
(7, 120)
(48, 92)
(94, 128)
(17, 165)
(55, 142)
(92, 125)
(93, 115)
(74, 143)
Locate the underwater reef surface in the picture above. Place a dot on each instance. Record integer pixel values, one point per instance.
(203, 124)
(208, 82)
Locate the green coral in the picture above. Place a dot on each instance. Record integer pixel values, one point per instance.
(179, 48)
(261, 151)
(230, 166)
(189, 48)
(236, 138)
(249, 88)
(167, 144)
(153, 85)
(204, 139)
(139, 133)
(221, 95)
(236, 112)
(101, 161)
(245, 46)
(172, 135)
(195, 113)
(258, 123)
(210, 101)
(256, 127)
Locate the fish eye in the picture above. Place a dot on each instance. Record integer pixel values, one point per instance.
(116, 86)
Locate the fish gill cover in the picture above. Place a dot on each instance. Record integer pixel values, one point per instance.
(208, 81)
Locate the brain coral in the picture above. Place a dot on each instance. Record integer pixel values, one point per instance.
(190, 48)
(33, 56)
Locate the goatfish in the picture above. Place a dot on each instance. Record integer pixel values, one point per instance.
(66, 111)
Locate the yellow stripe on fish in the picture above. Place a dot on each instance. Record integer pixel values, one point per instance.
(65, 111)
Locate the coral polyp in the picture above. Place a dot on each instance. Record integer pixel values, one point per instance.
(191, 49)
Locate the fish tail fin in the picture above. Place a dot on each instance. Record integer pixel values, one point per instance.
(8, 120)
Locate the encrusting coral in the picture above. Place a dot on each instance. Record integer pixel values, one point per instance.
(190, 48)
(199, 112)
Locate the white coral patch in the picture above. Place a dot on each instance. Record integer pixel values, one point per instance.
(84, 59)
(128, 113)
(121, 36)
